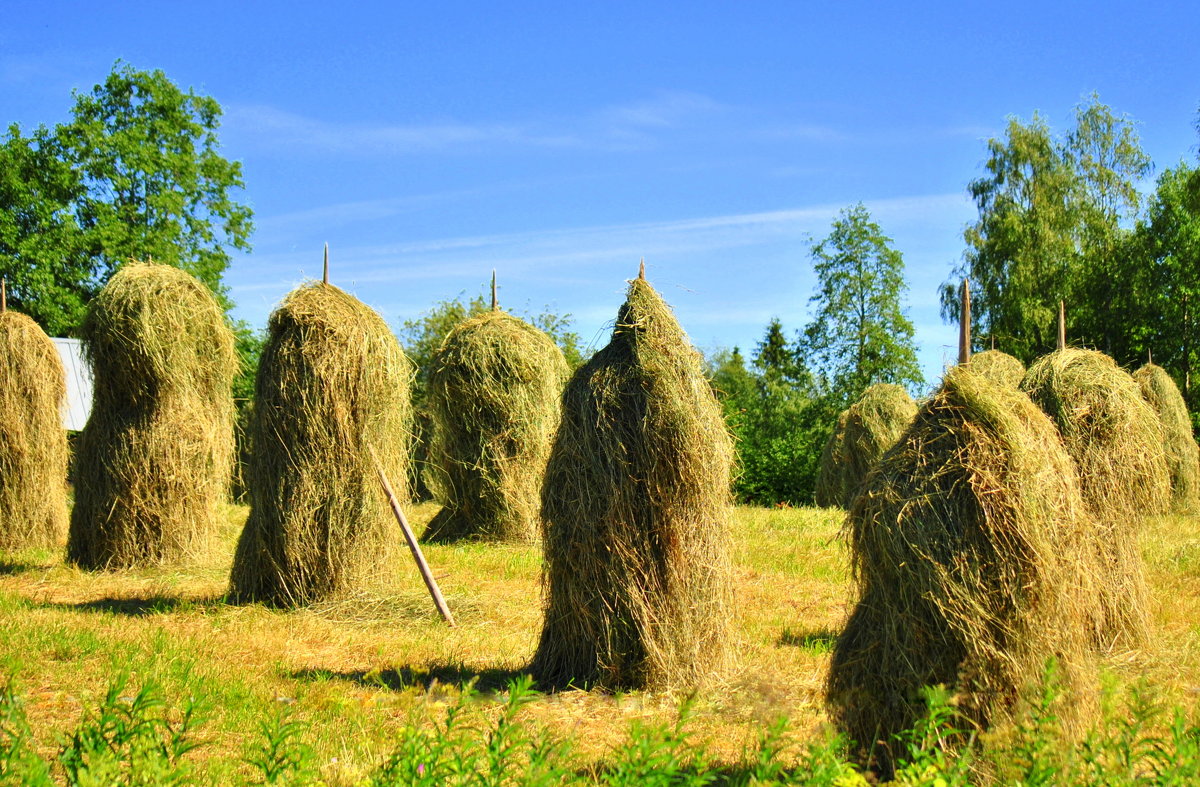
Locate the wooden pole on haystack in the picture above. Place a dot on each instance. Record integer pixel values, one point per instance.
(325, 271)
(422, 566)
(3, 295)
(1062, 326)
(642, 269)
(495, 302)
(964, 325)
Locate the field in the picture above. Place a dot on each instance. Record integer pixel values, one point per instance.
(331, 693)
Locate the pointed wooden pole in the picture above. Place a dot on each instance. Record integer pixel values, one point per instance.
(964, 325)
(413, 547)
(325, 272)
(3, 295)
(642, 269)
(1062, 326)
(495, 303)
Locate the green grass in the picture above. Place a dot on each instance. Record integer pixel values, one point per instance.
(147, 677)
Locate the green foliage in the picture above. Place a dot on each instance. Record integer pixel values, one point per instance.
(132, 740)
(138, 739)
(859, 335)
(778, 427)
(134, 174)
(1054, 215)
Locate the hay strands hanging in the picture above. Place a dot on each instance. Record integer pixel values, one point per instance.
(422, 566)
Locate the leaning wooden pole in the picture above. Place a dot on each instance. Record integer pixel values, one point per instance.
(1062, 326)
(422, 566)
(964, 325)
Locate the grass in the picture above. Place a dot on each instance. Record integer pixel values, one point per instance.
(147, 677)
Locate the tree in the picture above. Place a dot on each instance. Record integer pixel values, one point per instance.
(1054, 217)
(1162, 266)
(42, 256)
(859, 334)
(134, 174)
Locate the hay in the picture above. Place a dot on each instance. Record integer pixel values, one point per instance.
(33, 443)
(636, 508)
(1116, 440)
(1179, 441)
(830, 489)
(154, 460)
(965, 549)
(332, 383)
(999, 367)
(873, 425)
(494, 398)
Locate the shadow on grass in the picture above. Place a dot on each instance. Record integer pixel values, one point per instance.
(140, 607)
(457, 675)
(815, 641)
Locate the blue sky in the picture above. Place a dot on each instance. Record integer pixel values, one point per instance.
(560, 142)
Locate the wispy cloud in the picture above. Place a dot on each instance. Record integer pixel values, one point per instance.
(618, 126)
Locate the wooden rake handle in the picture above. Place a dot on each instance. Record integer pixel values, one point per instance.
(426, 574)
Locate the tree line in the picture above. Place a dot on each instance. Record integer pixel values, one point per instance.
(136, 173)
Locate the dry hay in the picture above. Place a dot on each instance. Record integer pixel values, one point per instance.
(965, 549)
(494, 399)
(636, 509)
(332, 384)
(1116, 440)
(873, 425)
(830, 489)
(154, 460)
(33, 443)
(1179, 441)
(999, 367)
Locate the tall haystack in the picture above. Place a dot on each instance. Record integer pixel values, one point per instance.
(1179, 442)
(873, 425)
(495, 393)
(332, 384)
(999, 367)
(969, 550)
(830, 489)
(636, 508)
(153, 463)
(1116, 440)
(33, 443)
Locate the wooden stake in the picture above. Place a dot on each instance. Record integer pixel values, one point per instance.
(3, 295)
(422, 566)
(642, 269)
(1062, 326)
(325, 273)
(1149, 356)
(964, 325)
(495, 303)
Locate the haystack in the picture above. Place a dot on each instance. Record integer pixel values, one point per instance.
(830, 489)
(33, 443)
(332, 384)
(966, 548)
(495, 392)
(873, 425)
(1116, 440)
(153, 462)
(1179, 441)
(636, 509)
(999, 367)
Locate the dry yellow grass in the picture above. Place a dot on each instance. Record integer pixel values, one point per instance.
(355, 670)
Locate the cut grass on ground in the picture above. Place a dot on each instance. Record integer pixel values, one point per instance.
(356, 673)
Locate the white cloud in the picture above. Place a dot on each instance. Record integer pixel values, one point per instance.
(614, 127)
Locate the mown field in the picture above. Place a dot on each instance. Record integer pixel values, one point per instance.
(360, 691)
